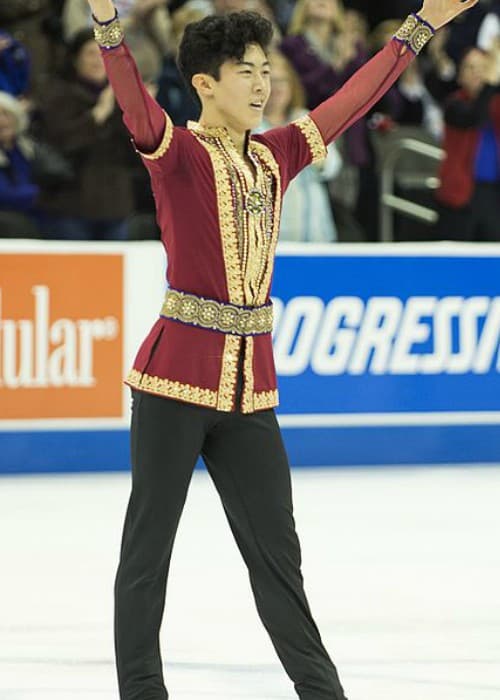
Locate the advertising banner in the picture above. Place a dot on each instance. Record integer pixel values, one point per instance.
(61, 336)
(396, 339)
(385, 354)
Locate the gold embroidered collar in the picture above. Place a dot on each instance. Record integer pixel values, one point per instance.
(216, 132)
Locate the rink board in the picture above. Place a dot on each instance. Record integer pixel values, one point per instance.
(385, 354)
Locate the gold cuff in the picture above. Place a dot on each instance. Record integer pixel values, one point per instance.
(110, 35)
(415, 33)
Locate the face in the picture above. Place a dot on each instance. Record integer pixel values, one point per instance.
(281, 87)
(326, 10)
(7, 127)
(89, 64)
(472, 74)
(238, 98)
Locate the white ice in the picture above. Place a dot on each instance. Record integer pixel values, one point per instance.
(402, 570)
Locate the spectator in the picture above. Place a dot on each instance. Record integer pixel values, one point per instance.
(469, 196)
(306, 210)
(14, 66)
(377, 12)
(222, 7)
(325, 55)
(18, 191)
(463, 33)
(357, 26)
(489, 33)
(263, 7)
(146, 22)
(322, 53)
(173, 94)
(80, 117)
(408, 102)
(282, 11)
(25, 21)
(440, 70)
(417, 107)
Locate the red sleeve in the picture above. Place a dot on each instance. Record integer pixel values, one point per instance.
(143, 116)
(303, 141)
(362, 91)
(290, 148)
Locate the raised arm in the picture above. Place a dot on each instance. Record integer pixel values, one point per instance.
(371, 82)
(143, 116)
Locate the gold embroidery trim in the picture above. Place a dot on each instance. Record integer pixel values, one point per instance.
(248, 392)
(171, 389)
(227, 222)
(313, 137)
(216, 315)
(165, 142)
(229, 373)
(196, 395)
(265, 155)
(415, 33)
(265, 399)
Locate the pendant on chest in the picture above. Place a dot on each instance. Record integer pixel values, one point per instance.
(255, 202)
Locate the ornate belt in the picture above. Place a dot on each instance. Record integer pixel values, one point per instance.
(217, 315)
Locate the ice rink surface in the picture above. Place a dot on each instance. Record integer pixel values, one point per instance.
(402, 570)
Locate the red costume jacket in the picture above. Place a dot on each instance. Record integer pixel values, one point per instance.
(463, 117)
(219, 246)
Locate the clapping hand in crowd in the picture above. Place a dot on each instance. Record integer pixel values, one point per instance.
(492, 68)
(345, 50)
(105, 105)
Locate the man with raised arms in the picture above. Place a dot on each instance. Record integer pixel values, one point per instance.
(203, 381)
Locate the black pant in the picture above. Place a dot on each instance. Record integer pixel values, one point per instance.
(479, 221)
(245, 457)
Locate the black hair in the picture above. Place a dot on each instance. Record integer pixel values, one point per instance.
(207, 44)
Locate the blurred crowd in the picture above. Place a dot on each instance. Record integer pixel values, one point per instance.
(68, 171)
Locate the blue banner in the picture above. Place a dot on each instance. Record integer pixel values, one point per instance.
(400, 335)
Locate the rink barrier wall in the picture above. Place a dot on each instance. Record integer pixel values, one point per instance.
(385, 354)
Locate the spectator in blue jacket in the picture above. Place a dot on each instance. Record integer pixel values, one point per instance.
(18, 192)
(14, 66)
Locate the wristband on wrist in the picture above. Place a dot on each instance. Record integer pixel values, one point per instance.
(108, 34)
(415, 32)
(424, 21)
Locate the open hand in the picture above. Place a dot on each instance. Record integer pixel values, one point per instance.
(440, 12)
